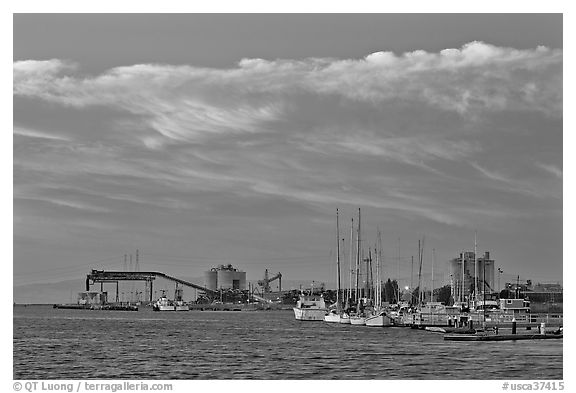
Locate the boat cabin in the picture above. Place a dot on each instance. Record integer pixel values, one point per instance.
(515, 305)
(311, 301)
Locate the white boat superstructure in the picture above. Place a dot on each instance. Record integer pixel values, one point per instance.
(164, 304)
(310, 308)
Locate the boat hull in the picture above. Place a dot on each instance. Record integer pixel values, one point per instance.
(378, 321)
(308, 314)
(333, 318)
(344, 319)
(164, 308)
(357, 321)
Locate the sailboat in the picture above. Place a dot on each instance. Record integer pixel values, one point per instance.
(345, 316)
(358, 318)
(379, 317)
(334, 313)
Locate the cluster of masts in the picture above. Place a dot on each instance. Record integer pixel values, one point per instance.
(358, 262)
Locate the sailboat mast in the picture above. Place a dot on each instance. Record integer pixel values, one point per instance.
(398, 274)
(379, 269)
(358, 256)
(412, 281)
(338, 258)
(369, 276)
(462, 294)
(420, 273)
(475, 271)
(377, 288)
(433, 263)
(351, 251)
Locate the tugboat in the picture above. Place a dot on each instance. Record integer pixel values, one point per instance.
(164, 304)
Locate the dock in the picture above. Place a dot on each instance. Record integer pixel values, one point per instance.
(107, 307)
(500, 337)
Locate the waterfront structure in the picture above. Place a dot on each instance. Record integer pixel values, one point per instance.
(463, 271)
(225, 277)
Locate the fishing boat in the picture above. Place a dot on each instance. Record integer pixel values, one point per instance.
(310, 308)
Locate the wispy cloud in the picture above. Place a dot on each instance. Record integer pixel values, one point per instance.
(515, 185)
(318, 130)
(187, 103)
(38, 134)
(549, 168)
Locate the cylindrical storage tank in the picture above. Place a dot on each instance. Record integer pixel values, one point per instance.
(211, 280)
(225, 279)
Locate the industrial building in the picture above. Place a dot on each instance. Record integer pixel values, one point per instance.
(463, 271)
(225, 277)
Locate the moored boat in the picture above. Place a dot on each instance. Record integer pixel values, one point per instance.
(332, 316)
(380, 319)
(344, 318)
(163, 304)
(310, 308)
(181, 306)
(357, 320)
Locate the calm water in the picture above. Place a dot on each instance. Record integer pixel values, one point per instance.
(80, 344)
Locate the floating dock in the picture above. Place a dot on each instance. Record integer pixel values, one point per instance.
(500, 337)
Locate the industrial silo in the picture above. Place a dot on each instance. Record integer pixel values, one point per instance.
(227, 277)
(211, 280)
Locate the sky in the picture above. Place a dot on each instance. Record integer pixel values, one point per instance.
(205, 139)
